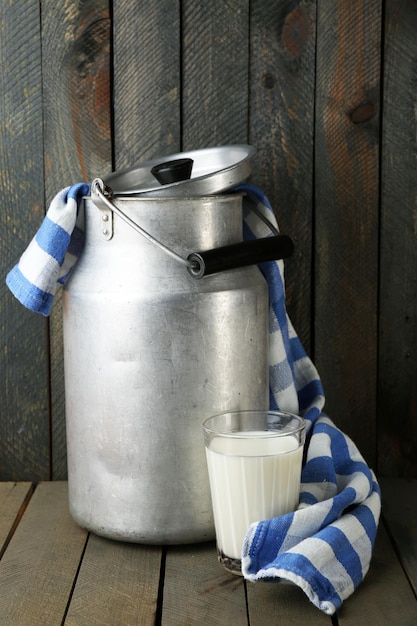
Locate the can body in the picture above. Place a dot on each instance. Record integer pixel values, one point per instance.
(149, 353)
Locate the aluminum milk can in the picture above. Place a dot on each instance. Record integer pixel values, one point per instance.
(151, 348)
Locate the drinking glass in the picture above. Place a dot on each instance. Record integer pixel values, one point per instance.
(254, 463)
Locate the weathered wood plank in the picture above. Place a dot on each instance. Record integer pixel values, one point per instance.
(215, 73)
(198, 590)
(272, 603)
(281, 126)
(13, 500)
(77, 113)
(385, 596)
(146, 81)
(77, 95)
(39, 566)
(347, 205)
(24, 428)
(397, 389)
(399, 508)
(117, 584)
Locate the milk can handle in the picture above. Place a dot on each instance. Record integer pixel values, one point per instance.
(101, 195)
(240, 255)
(208, 262)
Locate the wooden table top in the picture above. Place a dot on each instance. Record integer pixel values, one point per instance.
(53, 572)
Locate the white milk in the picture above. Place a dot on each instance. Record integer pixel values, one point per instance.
(252, 478)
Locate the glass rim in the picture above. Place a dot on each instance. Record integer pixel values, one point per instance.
(238, 434)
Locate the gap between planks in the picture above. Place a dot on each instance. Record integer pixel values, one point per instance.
(14, 499)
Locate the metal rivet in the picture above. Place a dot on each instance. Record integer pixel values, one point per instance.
(105, 217)
(105, 232)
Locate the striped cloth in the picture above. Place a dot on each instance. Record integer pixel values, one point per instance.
(324, 547)
(50, 256)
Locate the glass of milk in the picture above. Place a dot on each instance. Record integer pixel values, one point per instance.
(254, 464)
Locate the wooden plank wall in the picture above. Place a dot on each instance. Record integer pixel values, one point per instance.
(326, 91)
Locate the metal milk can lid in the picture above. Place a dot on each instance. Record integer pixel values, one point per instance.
(195, 173)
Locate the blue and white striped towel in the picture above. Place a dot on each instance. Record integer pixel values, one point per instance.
(324, 547)
(50, 256)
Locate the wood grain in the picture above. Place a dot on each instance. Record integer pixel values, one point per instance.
(198, 590)
(77, 112)
(399, 508)
(346, 214)
(39, 566)
(77, 94)
(397, 388)
(273, 603)
(24, 425)
(117, 584)
(281, 126)
(13, 500)
(147, 88)
(215, 73)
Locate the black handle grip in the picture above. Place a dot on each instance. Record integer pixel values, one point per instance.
(240, 255)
